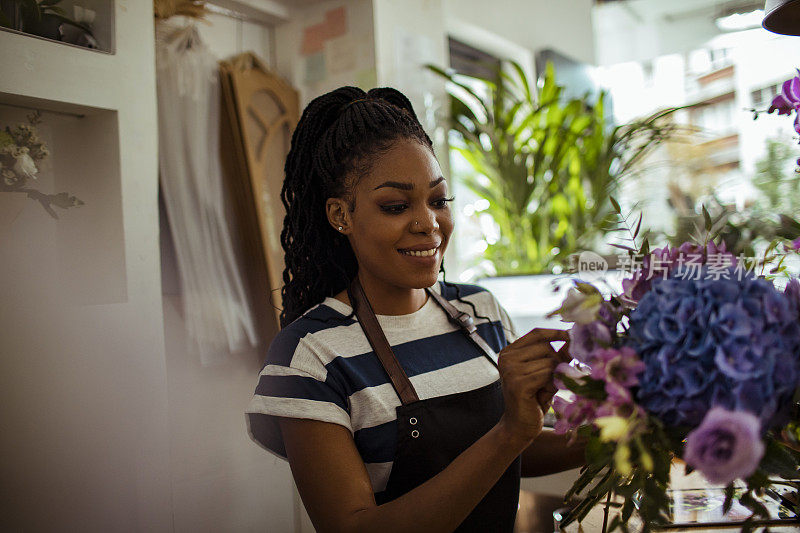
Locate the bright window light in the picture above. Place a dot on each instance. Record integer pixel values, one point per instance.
(741, 21)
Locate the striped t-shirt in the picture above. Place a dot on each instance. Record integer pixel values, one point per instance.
(322, 367)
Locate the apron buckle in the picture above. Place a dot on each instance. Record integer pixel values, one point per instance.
(465, 322)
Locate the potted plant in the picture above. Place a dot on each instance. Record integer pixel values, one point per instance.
(547, 165)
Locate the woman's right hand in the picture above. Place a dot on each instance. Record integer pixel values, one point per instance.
(526, 374)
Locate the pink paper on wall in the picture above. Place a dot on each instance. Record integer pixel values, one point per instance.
(314, 37)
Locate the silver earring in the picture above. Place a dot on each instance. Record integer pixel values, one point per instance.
(340, 228)
(416, 223)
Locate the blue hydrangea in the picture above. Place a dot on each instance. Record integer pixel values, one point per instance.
(733, 343)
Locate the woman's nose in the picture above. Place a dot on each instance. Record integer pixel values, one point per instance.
(425, 222)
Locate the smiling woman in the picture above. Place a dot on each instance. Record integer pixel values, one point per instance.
(382, 380)
(398, 228)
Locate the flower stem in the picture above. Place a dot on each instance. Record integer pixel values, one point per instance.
(605, 511)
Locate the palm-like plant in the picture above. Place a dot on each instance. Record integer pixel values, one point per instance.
(546, 165)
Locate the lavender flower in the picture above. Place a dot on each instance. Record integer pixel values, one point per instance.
(585, 338)
(788, 100)
(726, 446)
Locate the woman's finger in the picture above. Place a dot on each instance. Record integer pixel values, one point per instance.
(542, 334)
(532, 353)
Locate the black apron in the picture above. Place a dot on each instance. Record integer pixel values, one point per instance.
(433, 432)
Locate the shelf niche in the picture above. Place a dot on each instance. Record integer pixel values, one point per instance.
(77, 258)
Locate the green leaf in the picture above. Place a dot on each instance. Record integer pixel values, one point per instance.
(778, 460)
(623, 247)
(707, 219)
(730, 491)
(627, 510)
(615, 204)
(583, 481)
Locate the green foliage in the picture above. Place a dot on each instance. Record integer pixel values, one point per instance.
(773, 217)
(547, 165)
(775, 179)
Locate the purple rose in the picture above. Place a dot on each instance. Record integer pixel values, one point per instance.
(585, 338)
(726, 446)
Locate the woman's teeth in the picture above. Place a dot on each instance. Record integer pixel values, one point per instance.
(421, 253)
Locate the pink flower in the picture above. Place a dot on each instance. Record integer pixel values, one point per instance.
(568, 371)
(571, 415)
(620, 367)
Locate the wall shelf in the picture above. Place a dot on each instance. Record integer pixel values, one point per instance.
(102, 26)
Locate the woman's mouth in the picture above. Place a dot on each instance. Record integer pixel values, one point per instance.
(419, 253)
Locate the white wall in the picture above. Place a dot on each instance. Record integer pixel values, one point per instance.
(84, 444)
(640, 30)
(345, 59)
(109, 422)
(565, 26)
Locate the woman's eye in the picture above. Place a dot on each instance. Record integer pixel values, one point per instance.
(442, 202)
(394, 208)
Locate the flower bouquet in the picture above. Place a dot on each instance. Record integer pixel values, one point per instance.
(21, 150)
(697, 359)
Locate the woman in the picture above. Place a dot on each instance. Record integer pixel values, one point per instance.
(383, 389)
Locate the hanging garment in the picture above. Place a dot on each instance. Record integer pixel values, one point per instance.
(432, 433)
(218, 317)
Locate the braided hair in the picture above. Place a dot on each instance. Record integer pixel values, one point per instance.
(333, 146)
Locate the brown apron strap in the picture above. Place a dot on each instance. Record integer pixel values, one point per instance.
(464, 321)
(372, 329)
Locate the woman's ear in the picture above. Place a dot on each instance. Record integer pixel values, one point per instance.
(338, 215)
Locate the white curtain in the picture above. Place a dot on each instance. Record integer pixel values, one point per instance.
(218, 317)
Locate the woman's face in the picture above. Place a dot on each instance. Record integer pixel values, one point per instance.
(402, 222)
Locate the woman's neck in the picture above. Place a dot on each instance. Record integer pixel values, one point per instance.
(389, 300)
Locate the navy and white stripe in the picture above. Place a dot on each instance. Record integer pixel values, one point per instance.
(322, 367)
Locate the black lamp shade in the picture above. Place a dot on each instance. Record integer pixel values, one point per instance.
(782, 16)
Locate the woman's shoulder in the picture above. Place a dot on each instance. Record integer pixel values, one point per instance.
(315, 321)
(480, 300)
(477, 295)
(452, 291)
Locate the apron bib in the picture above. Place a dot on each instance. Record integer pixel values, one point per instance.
(433, 432)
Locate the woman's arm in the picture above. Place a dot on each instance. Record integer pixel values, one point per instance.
(333, 481)
(336, 490)
(550, 453)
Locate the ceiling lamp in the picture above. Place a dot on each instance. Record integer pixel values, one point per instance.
(783, 16)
